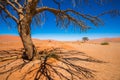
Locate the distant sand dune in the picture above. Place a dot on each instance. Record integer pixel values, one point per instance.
(9, 38)
(106, 40)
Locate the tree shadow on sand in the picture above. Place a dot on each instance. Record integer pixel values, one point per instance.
(52, 64)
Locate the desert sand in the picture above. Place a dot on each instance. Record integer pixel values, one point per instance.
(108, 53)
(106, 40)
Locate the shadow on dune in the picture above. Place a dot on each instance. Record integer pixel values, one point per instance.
(52, 64)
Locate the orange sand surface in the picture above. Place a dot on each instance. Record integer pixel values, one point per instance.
(108, 53)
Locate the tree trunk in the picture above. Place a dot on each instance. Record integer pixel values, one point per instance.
(25, 34)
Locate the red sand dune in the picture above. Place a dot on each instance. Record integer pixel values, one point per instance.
(15, 38)
(12, 38)
(9, 37)
(106, 40)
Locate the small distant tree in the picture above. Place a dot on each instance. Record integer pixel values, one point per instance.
(104, 43)
(85, 39)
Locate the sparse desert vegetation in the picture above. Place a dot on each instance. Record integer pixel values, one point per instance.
(85, 39)
(105, 43)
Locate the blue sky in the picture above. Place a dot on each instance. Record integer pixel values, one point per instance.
(49, 30)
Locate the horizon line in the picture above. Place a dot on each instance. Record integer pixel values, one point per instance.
(65, 37)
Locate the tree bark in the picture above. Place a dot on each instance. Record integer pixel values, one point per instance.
(25, 34)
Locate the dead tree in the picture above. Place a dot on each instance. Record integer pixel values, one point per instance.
(23, 12)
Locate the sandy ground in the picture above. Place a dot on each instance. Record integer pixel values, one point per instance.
(108, 53)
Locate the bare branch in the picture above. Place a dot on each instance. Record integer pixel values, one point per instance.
(9, 14)
(10, 3)
(58, 3)
(113, 12)
(39, 10)
(19, 5)
(94, 19)
(63, 14)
